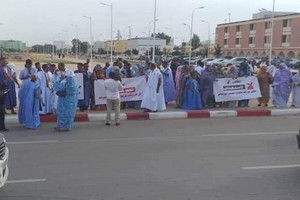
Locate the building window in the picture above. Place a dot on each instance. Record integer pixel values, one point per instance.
(238, 28)
(237, 41)
(252, 27)
(225, 41)
(226, 30)
(267, 39)
(251, 40)
(267, 25)
(285, 39)
(286, 23)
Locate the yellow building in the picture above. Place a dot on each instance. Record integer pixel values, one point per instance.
(118, 46)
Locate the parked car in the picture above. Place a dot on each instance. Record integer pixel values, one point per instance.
(234, 61)
(296, 65)
(3, 161)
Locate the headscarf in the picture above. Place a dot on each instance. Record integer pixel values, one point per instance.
(69, 73)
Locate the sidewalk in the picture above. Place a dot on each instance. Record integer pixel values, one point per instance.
(173, 113)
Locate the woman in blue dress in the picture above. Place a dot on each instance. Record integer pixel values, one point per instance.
(191, 94)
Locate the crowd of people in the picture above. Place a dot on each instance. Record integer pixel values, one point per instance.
(47, 88)
(44, 89)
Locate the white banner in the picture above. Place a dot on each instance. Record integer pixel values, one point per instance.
(79, 81)
(133, 90)
(228, 89)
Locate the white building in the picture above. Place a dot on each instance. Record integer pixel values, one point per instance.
(60, 44)
(97, 45)
(144, 44)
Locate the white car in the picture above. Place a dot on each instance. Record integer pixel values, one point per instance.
(3, 161)
(234, 61)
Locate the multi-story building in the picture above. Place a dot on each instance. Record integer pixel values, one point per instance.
(118, 46)
(251, 38)
(12, 45)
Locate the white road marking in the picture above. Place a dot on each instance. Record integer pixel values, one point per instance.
(26, 181)
(147, 138)
(34, 142)
(272, 167)
(247, 134)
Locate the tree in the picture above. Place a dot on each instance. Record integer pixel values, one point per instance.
(85, 47)
(74, 43)
(101, 51)
(127, 52)
(135, 52)
(158, 52)
(218, 51)
(195, 41)
(163, 36)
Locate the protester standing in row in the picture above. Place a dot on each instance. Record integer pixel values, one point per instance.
(3, 86)
(44, 83)
(282, 86)
(244, 71)
(30, 103)
(153, 99)
(296, 90)
(168, 83)
(264, 79)
(191, 94)
(10, 101)
(26, 73)
(207, 84)
(67, 91)
(232, 73)
(84, 103)
(98, 74)
(112, 87)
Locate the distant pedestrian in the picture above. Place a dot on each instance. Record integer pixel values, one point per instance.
(113, 88)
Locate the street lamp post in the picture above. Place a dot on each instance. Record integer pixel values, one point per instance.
(91, 36)
(189, 27)
(272, 30)
(154, 26)
(208, 26)
(76, 45)
(191, 33)
(67, 38)
(111, 30)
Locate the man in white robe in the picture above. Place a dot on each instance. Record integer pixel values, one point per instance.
(153, 99)
(43, 81)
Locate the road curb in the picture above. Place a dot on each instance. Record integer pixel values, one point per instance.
(95, 117)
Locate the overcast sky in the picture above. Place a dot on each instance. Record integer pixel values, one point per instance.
(41, 21)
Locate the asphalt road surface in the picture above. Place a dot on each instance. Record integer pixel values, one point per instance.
(201, 159)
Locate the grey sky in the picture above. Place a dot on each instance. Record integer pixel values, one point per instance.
(40, 21)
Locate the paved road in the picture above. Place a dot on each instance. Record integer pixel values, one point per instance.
(202, 159)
